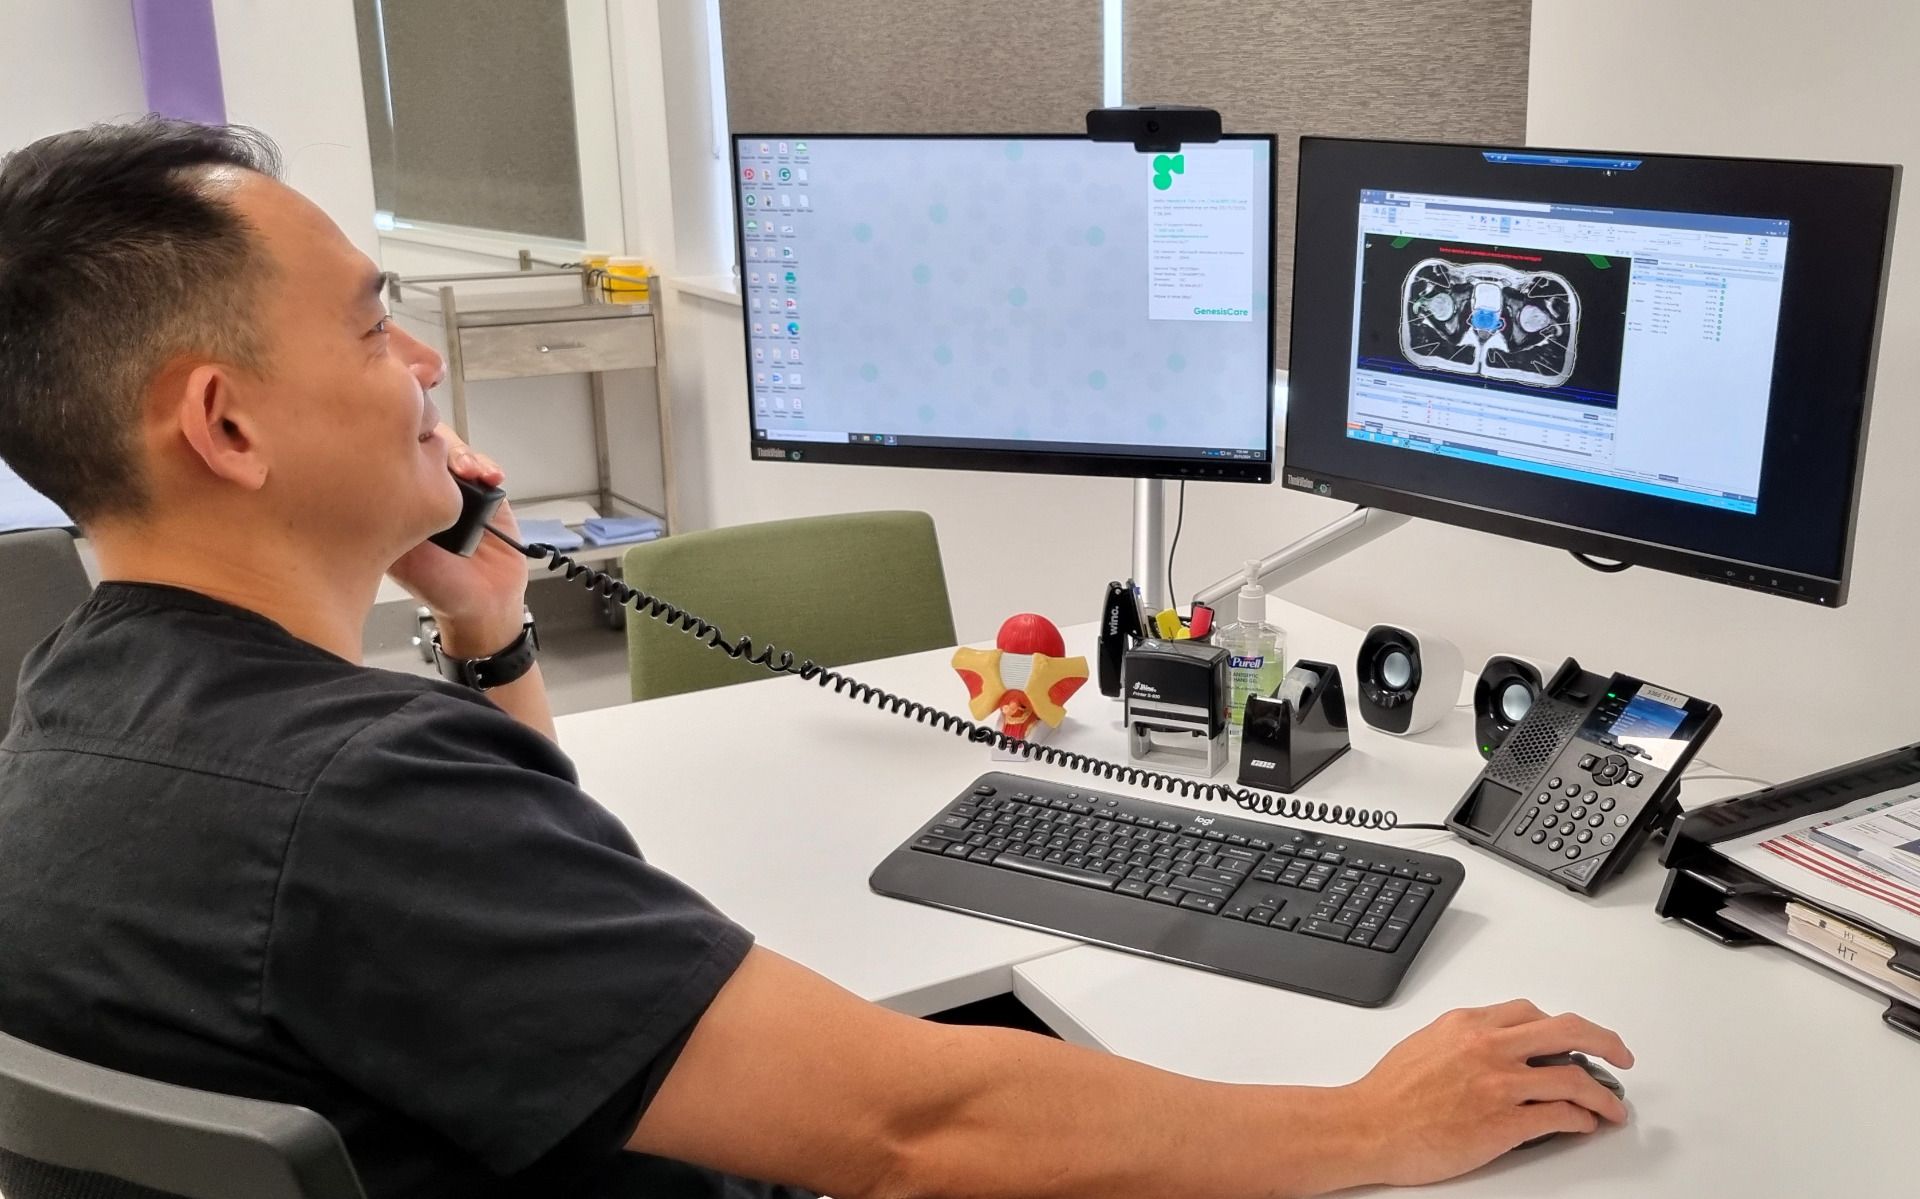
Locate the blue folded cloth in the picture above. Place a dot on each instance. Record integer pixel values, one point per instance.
(618, 530)
(550, 532)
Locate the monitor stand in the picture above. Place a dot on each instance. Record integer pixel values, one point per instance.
(1309, 553)
(1284, 565)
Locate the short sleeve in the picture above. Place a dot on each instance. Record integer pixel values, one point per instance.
(466, 937)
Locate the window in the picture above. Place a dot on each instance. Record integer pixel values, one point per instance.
(471, 115)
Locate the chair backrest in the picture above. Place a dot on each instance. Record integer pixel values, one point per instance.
(45, 583)
(837, 589)
(70, 1130)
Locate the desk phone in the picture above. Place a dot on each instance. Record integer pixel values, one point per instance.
(1581, 783)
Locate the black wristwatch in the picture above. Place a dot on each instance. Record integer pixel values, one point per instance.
(494, 670)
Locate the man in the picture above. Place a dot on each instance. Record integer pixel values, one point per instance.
(232, 857)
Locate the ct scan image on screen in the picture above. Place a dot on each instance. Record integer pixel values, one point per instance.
(1495, 316)
(1618, 347)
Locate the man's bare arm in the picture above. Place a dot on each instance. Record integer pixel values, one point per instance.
(791, 1079)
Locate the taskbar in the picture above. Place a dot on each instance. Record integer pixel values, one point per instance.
(1007, 445)
(1663, 488)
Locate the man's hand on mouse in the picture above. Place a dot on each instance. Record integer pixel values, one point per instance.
(1459, 1092)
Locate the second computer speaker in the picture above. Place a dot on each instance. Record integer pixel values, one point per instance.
(1502, 697)
(1408, 680)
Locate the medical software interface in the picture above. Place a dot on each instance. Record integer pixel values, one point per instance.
(1624, 348)
(1022, 294)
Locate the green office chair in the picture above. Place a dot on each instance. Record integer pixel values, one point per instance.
(70, 1130)
(836, 589)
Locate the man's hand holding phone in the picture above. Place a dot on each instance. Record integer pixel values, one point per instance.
(478, 602)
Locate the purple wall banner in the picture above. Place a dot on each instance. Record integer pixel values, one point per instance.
(180, 59)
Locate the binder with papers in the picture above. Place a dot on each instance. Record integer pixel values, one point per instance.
(1819, 866)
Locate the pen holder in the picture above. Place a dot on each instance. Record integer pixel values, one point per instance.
(1289, 737)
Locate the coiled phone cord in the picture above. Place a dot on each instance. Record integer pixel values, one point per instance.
(779, 661)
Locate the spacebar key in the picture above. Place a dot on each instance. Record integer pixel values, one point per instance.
(1054, 870)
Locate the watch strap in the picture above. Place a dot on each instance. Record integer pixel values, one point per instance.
(494, 670)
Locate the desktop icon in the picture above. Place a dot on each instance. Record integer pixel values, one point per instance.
(799, 147)
(792, 279)
(776, 378)
(793, 380)
(753, 251)
(747, 174)
(760, 378)
(759, 353)
(765, 148)
(803, 201)
(786, 200)
(793, 328)
(751, 200)
(786, 251)
(753, 278)
(792, 304)
(786, 173)
(753, 226)
(783, 147)
(803, 174)
(793, 354)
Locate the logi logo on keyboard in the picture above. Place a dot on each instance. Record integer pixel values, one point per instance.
(1203, 821)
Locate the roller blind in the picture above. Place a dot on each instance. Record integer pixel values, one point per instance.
(470, 113)
(889, 66)
(1442, 69)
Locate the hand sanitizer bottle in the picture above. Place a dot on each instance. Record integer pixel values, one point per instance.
(1258, 649)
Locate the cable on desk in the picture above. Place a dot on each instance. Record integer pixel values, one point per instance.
(779, 661)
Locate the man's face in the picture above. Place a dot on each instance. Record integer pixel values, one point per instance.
(342, 399)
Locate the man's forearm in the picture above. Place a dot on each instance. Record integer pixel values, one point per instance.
(791, 1079)
(1028, 1116)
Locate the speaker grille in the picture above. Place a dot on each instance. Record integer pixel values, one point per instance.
(1534, 742)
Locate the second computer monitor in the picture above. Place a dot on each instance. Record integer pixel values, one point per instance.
(1661, 359)
(1019, 303)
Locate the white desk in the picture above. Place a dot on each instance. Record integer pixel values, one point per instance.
(1759, 1075)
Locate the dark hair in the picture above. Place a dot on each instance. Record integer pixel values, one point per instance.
(115, 258)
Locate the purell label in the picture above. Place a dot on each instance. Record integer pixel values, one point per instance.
(1251, 663)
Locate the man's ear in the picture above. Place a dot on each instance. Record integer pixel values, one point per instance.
(206, 402)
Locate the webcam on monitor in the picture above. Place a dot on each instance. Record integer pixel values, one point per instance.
(1154, 128)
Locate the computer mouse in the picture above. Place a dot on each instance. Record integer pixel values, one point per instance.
(1595, 1070)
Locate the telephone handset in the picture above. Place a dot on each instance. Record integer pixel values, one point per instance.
(1593, 771)
(479, 501)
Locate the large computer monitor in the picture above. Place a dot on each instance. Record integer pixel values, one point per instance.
(1660, 359)
(1030, 303)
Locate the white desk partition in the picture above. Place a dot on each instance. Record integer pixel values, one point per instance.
(1759, 1075)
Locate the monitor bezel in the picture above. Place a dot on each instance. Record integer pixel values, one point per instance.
(1320, 479)
(1089, 462)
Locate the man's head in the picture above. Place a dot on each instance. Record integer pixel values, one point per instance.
(184, 340)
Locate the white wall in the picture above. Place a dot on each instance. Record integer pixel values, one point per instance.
(292, 71)
(1764, 77)
(66, 65)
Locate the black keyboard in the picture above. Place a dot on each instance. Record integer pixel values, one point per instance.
(1309, 911)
